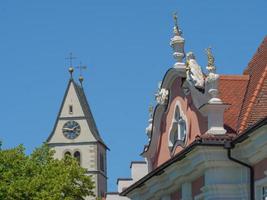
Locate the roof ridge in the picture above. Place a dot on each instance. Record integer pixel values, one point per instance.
(252, 100)
(234, 77)
(258, 51)
(86, 109)
(87, 112)
(60, 109)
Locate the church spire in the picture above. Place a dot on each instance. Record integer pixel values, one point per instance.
(75, 133)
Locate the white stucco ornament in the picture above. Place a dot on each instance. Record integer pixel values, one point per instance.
(214, 108)
(149, 128)
(177, 44)
(212, 79)
(162, 96)
(150, 122)
(194, 73)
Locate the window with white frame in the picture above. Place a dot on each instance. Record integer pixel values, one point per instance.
(178, 129)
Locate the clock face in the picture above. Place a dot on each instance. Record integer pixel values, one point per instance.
(71, 129)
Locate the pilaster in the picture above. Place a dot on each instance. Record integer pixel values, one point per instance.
(187, 191)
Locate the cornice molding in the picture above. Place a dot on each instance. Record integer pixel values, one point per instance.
(202, 158)
(252, 149)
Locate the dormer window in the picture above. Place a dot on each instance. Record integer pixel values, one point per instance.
(178, 131)
(70, 109)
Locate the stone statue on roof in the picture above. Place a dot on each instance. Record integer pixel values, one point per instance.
(211, 66)
(194, 72)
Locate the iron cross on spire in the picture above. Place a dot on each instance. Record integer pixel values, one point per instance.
(81, 68)
(70, 58)
(175, 18)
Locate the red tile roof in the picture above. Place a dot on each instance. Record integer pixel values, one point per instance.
(246, 94)
(254, 106)
(232, 89)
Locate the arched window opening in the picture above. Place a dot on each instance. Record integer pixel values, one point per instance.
(178, 130)
(77, 156)
(70, 109)
(67, 153)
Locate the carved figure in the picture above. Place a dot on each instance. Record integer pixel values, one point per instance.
(212, 79)
(194, 72)
(210, 67)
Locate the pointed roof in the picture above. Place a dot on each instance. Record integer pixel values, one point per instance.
(255, 102)
(86, 110)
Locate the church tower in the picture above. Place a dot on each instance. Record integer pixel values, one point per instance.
(75, 133)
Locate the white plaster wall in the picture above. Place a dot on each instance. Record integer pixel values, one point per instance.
(123, 184)
(71, 99)
(116, 197)
(85, 134)
(138, 171)
(94, 179)
(88, 154)
(227, 175)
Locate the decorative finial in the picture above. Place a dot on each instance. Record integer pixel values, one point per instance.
(177, 43)
(212, 79)
(81, 67)
(81, 80)
(211, 66)
(71, 70)
(176, 30)
(70, 58)
(175, 18)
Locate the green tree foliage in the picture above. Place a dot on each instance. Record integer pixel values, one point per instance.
(40, 177)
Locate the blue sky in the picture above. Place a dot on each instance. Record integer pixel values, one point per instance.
(125, 45)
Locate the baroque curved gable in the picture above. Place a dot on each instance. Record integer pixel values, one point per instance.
(158, 150)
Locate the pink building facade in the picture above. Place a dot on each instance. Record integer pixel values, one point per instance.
(207, 136)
